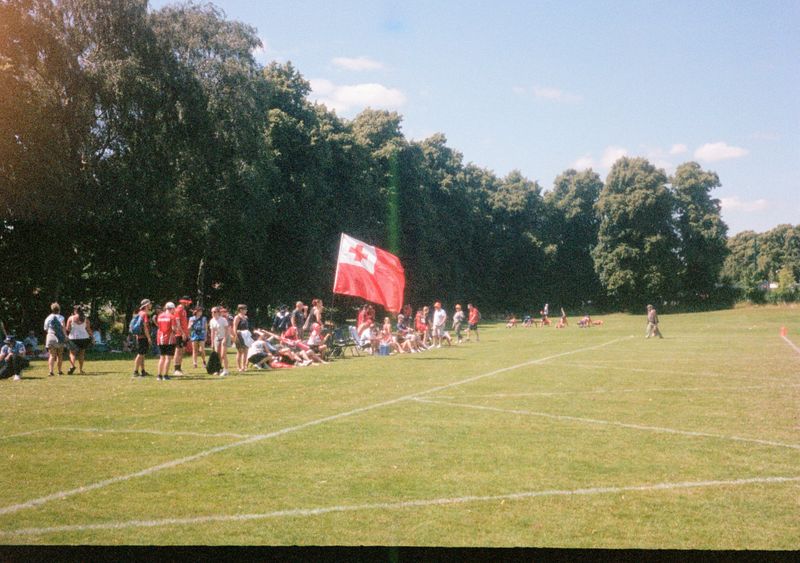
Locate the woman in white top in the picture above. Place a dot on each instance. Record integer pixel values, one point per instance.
(55, 339)
(78, 332)
(219, 337)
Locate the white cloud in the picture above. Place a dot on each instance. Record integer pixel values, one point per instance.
(712, 152)
(678, 148)
(611, 155)
(555, 94)
(583, 163)
(355, 97)
(736, 204)
(548, 93)
(357, 64)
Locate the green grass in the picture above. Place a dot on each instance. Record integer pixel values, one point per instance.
(554, 425)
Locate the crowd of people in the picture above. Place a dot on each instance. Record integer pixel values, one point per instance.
(296, 338)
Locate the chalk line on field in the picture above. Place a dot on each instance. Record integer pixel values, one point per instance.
(790, 343)
(703, 374)
(422, 503)
(613, 423)
(260, 437)
(128, 431)
(614, 391)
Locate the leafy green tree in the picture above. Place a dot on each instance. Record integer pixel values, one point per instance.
(635, 257)
(700, 228)
(572, 234)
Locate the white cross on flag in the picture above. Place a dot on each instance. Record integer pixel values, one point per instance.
(367, 271)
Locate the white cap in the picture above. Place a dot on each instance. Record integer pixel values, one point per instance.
(169, 305)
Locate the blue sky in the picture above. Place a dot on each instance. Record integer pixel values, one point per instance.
(545, 86)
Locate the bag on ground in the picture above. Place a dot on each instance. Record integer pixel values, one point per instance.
(214, 364)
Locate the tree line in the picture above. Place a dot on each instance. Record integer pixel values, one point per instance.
(146, 153)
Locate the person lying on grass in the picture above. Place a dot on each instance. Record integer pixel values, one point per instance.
(291, 340)
(287, 355)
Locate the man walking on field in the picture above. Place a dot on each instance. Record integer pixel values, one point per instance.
(652, 323)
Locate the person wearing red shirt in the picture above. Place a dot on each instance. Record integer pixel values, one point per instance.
(473, 319)
(182, 338)
(168, 330)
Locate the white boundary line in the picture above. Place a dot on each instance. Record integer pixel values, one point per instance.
(702, 374)
(614, 423)
(301, 512)
(128, 431)
(790, 343)
(614, 391)
(10, 509)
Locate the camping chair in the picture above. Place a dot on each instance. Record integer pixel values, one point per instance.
(340, 343)
(357, 347)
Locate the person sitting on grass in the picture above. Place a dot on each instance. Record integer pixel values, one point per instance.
(290, 339)
(406, 336)
(31, 344)
(387, 338)
(512, 322)
(258, 353)
(12, 358)
(527, 321)
(368, 336)
(283, 352)
(585, 322)
(316, 341)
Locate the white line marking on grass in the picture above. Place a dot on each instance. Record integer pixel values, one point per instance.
(301, 512)
(614, 391)
(28, 433)
(156, 432)
(790, 343)
(614, 423)
(259, 437)
(668, 372)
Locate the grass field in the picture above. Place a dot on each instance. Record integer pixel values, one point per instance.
(531, 437)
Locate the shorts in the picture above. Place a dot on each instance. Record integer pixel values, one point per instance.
(256, 358)
(166, 349)
(81, 343)
(473, 326)
(141, 345)
(53, 344)
(198, 338)
(438, 331)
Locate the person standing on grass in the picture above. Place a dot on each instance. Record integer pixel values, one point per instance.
(458, 322)
(140, 328)
(439, 319)
(298, 318)
(55, 339)
(240, 325)
(473, 319)
(168, 330)
(198, 329)
(219, 337)
(652, 323)
(79, 333)
(182, 338)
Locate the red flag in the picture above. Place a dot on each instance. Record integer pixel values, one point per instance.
(369, 272)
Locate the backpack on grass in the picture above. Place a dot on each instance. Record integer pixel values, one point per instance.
(213, 365)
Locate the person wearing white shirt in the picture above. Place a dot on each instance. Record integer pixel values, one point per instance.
(439, 319)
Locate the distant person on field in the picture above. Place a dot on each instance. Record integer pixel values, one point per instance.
(144, 340)
(12, 358)
(439, 320)
(458, 322)
(652, 323)
(473, 318)
(298, 318)
(182, 337)
(198, 330)
(168, 330)
(56, 338)
(219, 337)
(31, 343)
(562, 322)
(79, 333)
(241, 329)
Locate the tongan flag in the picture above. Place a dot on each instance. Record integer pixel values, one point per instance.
(369, 272)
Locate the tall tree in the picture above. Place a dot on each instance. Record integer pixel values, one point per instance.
(700, 228)
(635, 257)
